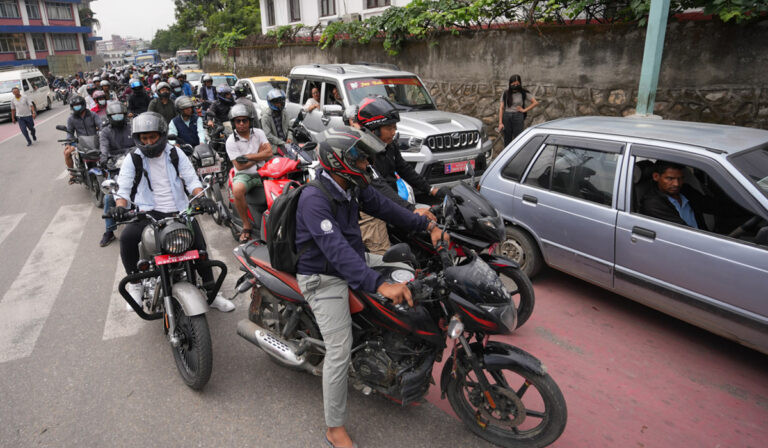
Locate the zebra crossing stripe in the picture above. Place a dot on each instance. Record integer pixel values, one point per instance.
(120, 322)
(28, 302)
(8, 223)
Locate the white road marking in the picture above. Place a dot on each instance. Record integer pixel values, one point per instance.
(8, 223)
(28, 302)
(121, 322)
(62, 175)
(37, 123)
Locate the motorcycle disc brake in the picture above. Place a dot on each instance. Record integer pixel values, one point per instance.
(509, 407)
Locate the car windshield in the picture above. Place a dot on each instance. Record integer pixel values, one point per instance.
(262, 88)
(7, 86)
(186, 59)
(405, 92)
(224, 80)
(194, 76)
(754, 165)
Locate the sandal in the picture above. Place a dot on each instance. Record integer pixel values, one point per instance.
(245, 235)
(72, 180)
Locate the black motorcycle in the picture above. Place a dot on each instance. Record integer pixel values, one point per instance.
(86, 169)
(502, 393)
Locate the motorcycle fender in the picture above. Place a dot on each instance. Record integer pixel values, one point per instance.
(191, 299)
(497, 261)
(445, 375)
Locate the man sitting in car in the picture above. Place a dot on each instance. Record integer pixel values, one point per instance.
(672, 200)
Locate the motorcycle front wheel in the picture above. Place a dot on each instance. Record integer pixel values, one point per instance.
(527, 410)
(193, 356)
(214, 194)
(521, 290)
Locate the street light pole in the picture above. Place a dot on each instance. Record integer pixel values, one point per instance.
(654, 46)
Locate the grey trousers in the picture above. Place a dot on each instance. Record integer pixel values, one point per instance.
(328, 296)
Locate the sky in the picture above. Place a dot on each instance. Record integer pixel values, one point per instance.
(136, 18)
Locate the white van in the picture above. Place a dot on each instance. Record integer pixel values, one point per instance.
(33, 85)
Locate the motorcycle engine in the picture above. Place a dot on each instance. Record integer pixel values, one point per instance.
(380, 361)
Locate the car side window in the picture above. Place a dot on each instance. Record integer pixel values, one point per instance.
(294, 90)
(585, 174)
(308, 91)
(540, 173)
(330, 97)
(25, 84)
(516, 166)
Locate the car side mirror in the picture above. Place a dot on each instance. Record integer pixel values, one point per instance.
(762, 236)
(333, 110)
(449, 207)
(400, 252)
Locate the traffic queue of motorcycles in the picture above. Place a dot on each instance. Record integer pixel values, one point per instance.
(462, 297)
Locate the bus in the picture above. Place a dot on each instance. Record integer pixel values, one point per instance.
(146, 56)
(187, 60)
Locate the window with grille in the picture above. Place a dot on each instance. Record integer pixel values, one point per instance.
(33, 9)
(38, 41)
(377, 3)
(327, 8)
(294, 10)
(11, 43)
(59, 11)
(64, 42)
(9, 9)
(270, 12)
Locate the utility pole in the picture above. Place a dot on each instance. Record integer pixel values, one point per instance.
(654, 46)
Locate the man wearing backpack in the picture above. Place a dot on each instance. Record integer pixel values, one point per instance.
(332, 258)
(156, 178)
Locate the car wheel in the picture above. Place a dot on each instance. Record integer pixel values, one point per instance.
(48, 106)
(522, 249)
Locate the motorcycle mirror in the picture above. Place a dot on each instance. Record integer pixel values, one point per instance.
(469, 170)
(109, 186)
(300, 117)
(61, 127)
(400, 252)
(449, 207)
(333, 110)
(208, 179)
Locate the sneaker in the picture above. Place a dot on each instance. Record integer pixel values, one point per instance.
(107, 238)
(223, 304)
(29, 143)
(136, 290)
(34, 137)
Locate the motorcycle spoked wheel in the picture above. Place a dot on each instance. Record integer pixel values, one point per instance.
(521, 291)
(95, 187)
(194, 355)
(530, 409)
(214, 194)
(268, 312)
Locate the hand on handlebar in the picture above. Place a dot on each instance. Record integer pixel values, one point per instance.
(204, 204)
(438, 237)
(397, 292)
(426, 212)
(119, 213)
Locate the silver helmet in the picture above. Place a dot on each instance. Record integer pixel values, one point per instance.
(150, 122)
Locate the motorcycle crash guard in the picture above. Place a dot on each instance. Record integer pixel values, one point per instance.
(495, 356)
(191, 299)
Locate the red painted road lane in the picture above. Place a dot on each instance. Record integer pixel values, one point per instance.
(633, 377)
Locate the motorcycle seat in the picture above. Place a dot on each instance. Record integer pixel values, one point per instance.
(255, 198)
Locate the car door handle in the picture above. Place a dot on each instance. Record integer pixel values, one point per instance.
(644, 232)
(531, 199)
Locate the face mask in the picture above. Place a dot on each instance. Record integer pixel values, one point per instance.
(78, 108)
(102, 102)
(164, 94)
(177, 90)
(517, 88)
(118, 117)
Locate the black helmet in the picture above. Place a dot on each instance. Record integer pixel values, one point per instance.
(241, 90)
(222, 92)
(340, 149)
(183, 102)
(90, 88)
(150, 122)
(241, 110)
(116, 113)
(375, 112)
(207, 78)
(77, 101)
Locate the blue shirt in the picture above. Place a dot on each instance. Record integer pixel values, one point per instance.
(685, 210)
(145, 199)
(187, 88)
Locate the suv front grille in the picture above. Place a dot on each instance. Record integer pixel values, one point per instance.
(453, 141)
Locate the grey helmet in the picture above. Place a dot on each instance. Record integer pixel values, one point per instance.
(183, 102)
(104, 83)
(116, 112)
(241, 110)
(341, 148)
(163, 85)
(206, 78)
(150, 122)
(175, 86)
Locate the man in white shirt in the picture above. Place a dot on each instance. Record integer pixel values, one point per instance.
(251, 143)
(23, 111)
(313, 102)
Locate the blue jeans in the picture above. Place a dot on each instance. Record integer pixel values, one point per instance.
(109, 202)
(26, 123)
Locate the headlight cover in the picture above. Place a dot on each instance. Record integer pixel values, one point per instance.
(176, 239)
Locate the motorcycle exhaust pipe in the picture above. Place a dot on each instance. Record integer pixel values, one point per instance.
(274, 345)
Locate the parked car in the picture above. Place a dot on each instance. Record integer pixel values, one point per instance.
(32, 83)
(193, 78)
(572, 194)
(259, 86)
(223, 78)
(439, 144)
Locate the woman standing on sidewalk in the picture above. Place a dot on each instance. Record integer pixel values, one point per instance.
(515, 104)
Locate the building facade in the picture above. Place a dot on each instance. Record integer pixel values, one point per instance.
(275, 13)
(32, 30)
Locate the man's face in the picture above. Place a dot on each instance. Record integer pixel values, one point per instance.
(388, 132)
(16, 92)
(362, 164)
(148, 138)
(242, 125)
(670, 181)
(105, 89)
(208, 83)
(186, 112)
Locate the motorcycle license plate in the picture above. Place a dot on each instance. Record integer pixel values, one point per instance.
(457, 167)
(168, 259)
(209, 169)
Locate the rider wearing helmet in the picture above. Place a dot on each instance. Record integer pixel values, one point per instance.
(185, 86)
(155, 82)
(101, 104)
(252, 144)
(165, 178)
(187, 126)
(163, 104)
(207, 91)
(274, 120)
(219, 110)
(138, 100)
(81, 123)
(115, 139)
(106, 87)
(176, 90)
(333, 258)
(241, 97)
(89, 90)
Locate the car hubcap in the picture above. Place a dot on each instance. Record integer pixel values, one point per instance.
(513, 250)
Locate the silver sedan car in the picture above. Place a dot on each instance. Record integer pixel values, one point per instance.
(671, 214)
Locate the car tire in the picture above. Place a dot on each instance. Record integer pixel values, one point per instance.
(48, 106)
(520, 247)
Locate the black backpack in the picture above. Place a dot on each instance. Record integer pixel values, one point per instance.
(138, 167)
(281, 227)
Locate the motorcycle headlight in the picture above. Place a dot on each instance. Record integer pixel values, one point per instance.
(176, 239)
(505, 313)
(493, 226)
(207, 161)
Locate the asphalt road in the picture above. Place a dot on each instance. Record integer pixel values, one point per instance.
(76, 369)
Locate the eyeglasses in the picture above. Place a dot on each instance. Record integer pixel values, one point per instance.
(241, 120)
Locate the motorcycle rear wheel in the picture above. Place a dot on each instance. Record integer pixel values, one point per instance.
(97, 195)
(522, 292)
(517, 421)
(214, 194)
(194, 355)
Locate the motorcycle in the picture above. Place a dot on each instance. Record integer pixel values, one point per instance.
(86, 169)
(172, 290)
(500, 392)
(207, 163)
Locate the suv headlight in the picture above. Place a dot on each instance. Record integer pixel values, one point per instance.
(411, 144)
(483, 133)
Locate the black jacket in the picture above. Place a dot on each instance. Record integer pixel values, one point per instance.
(138, 103)
(218, 112)
(390, 162)
(656, 204)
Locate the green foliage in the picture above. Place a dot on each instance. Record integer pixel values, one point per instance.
(172, 39)
(87, 19)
